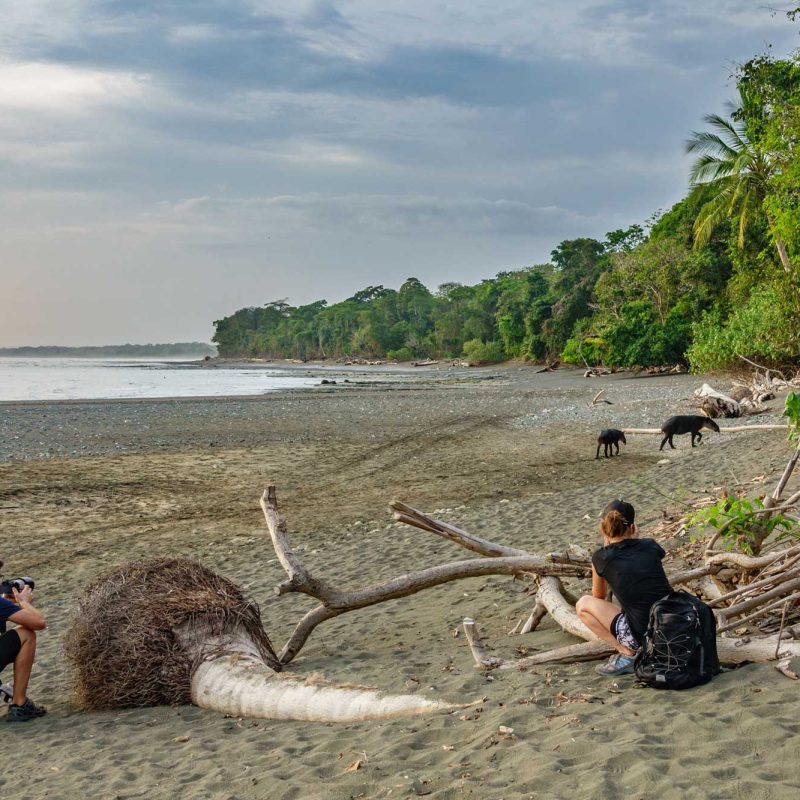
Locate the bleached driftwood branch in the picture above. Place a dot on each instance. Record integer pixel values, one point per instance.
(334, 601)
(722, 429)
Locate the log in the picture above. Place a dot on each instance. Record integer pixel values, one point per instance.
(722, 429)
(716, 404)
(739, 651)
(571, 654)
(769, 580)
(552, 598)
(742, 561)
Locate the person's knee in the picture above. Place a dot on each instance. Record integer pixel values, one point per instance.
(582, 606)
(26, 636)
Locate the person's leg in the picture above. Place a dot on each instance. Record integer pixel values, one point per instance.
(597, 615)
(23, 664)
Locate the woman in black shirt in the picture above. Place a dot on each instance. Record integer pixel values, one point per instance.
(632, 568)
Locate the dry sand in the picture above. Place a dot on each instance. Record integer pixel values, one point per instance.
(503, 452)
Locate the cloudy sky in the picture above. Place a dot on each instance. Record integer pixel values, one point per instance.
(166, 162)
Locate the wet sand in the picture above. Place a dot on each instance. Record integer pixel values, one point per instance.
(503, 452)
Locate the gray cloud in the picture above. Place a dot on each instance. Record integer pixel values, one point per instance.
(330, 144)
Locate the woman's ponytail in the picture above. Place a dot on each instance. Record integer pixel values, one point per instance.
(614, 525)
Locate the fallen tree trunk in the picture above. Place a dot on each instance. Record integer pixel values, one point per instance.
(722, 429)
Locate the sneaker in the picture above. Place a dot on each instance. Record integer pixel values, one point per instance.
(28, 710)
(618, 664)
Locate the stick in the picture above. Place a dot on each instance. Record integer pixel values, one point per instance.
(783, 622)
(758, 613)
(482, 658)
(411, 516)
(772, 579)
(747, 605)
(537, 615)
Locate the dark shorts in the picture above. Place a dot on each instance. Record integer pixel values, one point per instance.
(9, 648)
(621, 630)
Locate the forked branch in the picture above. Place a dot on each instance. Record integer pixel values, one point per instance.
(333, 601)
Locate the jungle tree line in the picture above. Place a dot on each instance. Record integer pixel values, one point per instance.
(714, 278)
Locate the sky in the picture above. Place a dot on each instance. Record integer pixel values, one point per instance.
(164, 163)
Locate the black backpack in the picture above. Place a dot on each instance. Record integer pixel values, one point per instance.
(679, 649)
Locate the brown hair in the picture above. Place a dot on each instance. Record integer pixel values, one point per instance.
(614, 525)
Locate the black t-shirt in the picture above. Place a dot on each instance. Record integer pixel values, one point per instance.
(634, 572)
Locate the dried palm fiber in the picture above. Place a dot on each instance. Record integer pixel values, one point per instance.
(122, 647)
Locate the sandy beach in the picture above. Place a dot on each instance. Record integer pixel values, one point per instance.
(503, 452)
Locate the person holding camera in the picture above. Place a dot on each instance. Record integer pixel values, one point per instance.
(18, 645)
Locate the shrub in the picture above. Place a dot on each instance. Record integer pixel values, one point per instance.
(765, 328)
(483, 352)
(592, 348)
(401, 354)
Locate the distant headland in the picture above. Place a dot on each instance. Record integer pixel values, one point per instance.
(186, 349)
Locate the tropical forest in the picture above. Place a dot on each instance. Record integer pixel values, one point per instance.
(711, 281)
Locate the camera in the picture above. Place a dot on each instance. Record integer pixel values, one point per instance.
(6, 585)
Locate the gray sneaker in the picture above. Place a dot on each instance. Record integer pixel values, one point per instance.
(27, 711)
(618, 664)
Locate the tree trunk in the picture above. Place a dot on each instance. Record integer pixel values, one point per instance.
(782, 252)
(240, 687)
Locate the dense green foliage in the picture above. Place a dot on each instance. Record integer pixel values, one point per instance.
(714, 278)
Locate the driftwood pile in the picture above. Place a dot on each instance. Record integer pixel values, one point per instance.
(745, 397)
(754, 596)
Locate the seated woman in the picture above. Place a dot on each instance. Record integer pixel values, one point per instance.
(632, 568)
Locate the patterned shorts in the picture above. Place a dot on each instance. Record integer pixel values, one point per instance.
(621, 630)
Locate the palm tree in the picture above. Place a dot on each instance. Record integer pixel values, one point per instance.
(740, 172)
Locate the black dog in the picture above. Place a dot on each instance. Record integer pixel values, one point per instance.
(608, 438)
(675, 426)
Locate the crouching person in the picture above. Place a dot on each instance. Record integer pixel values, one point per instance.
(632, 568)
(18, 647)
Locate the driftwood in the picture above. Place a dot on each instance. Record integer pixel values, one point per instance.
(333, 601)
(749, 592)
(722, 429)
(596, 400)
(550, 366)
(596, 372)
(715, 404)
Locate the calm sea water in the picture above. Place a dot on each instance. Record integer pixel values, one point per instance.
(85, 379)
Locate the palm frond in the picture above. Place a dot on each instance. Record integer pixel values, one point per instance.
(708, 169)
(711, 215)
(705, 142)
(733, 134)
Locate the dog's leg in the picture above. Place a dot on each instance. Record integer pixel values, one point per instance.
(597, 454)
(663, 442)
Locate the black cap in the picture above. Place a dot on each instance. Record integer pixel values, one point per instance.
(626, 509)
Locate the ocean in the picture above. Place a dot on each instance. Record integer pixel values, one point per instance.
(90, 379)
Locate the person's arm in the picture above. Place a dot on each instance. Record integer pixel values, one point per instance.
(27, 616)
(599, 585)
